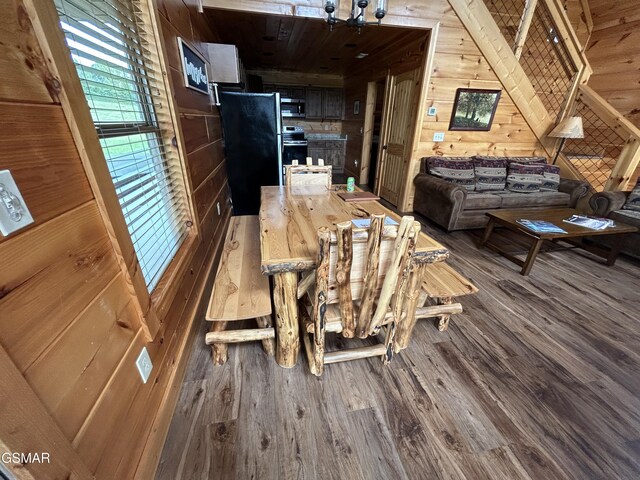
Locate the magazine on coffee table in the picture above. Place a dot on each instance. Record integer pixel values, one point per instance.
(594, 223)
(540, 226)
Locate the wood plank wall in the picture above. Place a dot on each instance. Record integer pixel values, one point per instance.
(614, 56)
(66, 315)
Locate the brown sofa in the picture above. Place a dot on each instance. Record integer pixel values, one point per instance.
(455, 208)
(609, 205)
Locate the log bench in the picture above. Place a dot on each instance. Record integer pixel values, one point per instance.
(240, 291)
(443, 285)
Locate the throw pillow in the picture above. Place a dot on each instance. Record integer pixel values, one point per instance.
(525, 178)
(491, 173)
(525, 160)
(458, 170)
(550, 178)
(633, 200)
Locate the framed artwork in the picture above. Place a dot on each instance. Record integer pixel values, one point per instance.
(474, 109)
(356, 107)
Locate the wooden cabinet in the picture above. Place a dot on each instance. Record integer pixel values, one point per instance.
(331, 151)
(333, 104)
(313, 104)
(297, 93)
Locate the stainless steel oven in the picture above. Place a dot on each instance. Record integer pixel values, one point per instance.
(294, 145)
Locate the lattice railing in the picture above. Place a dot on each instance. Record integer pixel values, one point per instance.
(607, 157)
(530, 30)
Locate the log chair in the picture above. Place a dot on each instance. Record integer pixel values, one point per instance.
(371, 303)
(305, 175)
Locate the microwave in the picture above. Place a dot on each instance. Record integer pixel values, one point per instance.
(291, 107)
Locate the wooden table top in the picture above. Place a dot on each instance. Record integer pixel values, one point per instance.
(556, 216)
(291, 216)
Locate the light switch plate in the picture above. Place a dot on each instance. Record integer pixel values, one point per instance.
(432, 111)
(438, 136)
(14, 213)
(144, 364)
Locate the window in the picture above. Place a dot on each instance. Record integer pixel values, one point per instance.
(120, 81)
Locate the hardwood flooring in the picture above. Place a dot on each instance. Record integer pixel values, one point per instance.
(539, 378)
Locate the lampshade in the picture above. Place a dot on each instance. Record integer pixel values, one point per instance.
(570, 127)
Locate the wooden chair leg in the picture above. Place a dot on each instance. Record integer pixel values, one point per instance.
(443, 320)
(219, 350)
(268, 344)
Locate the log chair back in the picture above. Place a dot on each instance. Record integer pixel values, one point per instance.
(384, 285)
(305, 175)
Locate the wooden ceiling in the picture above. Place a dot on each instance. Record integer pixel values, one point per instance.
(306, 45)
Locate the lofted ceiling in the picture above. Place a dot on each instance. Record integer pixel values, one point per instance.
(306, 45)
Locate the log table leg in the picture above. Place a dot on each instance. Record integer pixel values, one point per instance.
(286, 304)
(268, 344)
(443, 320)
(616, 247)
(219, 350)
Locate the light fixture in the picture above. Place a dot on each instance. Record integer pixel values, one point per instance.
(570, 127)
(357, 18)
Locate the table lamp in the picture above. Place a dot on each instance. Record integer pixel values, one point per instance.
(570, 127)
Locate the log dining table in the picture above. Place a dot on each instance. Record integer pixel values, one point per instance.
(289, 220)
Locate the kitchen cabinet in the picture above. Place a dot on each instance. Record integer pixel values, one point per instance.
(297, 93)
(313, 104)
(331, 151)
(333, 104)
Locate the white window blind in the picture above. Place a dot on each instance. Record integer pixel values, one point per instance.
(120, 79)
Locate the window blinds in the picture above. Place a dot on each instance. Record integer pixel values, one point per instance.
(119, 79)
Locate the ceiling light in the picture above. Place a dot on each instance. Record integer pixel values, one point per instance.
(362, 55)
(357, 16)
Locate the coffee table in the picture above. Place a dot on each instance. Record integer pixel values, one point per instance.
(574, 236)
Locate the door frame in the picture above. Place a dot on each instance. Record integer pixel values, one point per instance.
(367, 135)
(411, 162)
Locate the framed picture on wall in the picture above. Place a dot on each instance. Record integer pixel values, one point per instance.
(356, 107)
(474, 109)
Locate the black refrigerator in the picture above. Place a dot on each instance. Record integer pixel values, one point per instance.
(252, 130)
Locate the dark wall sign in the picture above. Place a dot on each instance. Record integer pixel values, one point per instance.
(194, 68)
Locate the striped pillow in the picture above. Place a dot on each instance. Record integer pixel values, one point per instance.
(550, 178)
(633, 200)
(525, 160)
(458, 170)
(525, 178)
(491, 173)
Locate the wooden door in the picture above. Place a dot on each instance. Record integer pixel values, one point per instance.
(313, 103)
(397, 123)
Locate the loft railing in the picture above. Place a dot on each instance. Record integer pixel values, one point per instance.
(545, 44)
(544, 54)
(608, 155)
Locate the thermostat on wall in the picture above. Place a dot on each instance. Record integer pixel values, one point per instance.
(432, 111)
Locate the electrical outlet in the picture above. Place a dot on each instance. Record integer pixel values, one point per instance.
(438, 136)
(361, 130)
(432, 111)
(218, 207)
(355, 162)
(14, 213)
(144, 364)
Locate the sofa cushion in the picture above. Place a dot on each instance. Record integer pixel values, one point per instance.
(630, 217)
(526, 160)
(633, 200)
(541, 199)
(458, 170)
(481, 200)
(524, 178)
(491, 173)
(550, 178)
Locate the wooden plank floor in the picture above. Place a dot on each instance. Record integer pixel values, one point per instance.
(539, 378)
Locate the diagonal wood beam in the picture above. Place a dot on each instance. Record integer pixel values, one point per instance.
(478, 21)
